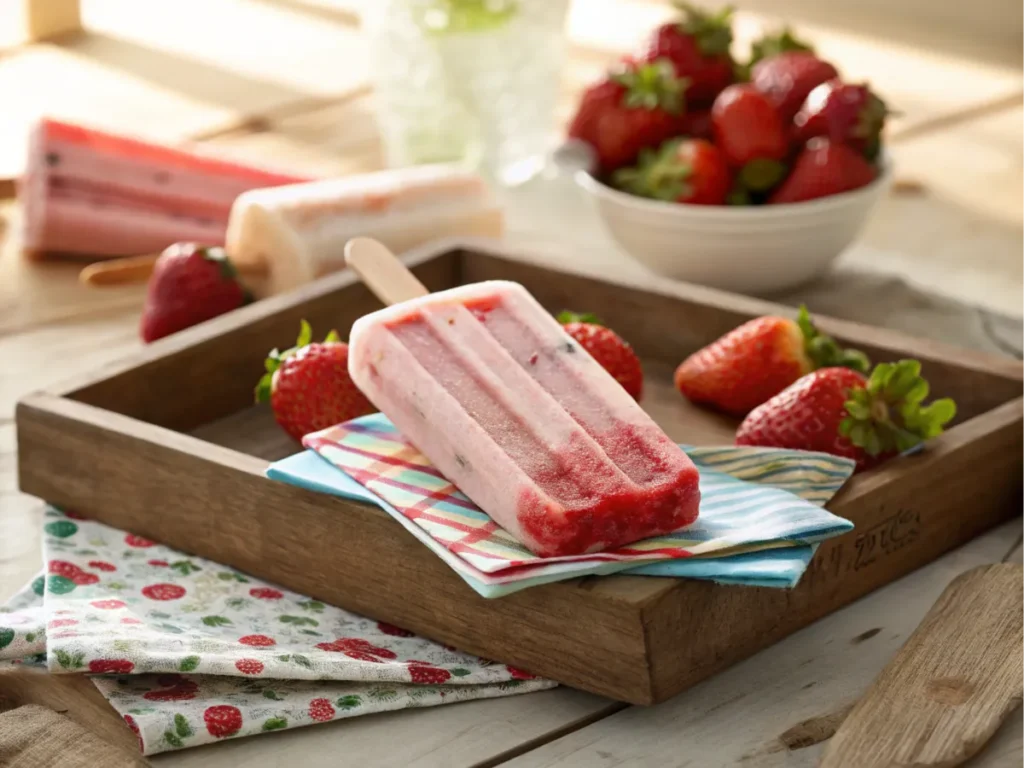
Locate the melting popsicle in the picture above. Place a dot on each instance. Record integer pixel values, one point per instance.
(490, 388)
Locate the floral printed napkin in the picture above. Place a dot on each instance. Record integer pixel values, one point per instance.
(189, 651)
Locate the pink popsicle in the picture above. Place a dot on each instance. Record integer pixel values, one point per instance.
(490, 388)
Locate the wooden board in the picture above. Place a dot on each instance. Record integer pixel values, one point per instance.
(117, 447)
(950, 687)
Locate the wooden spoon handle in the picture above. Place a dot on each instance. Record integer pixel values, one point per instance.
(382, 272)
(137, 269)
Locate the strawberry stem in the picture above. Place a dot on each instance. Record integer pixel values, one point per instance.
(652, 86)
(265, 386)
(824, 351)
(566, 316)
(659, 174)
(712, 31)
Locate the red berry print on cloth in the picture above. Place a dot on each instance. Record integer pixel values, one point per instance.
(257, 641)
(135, 729)
(426, 675)
(163, 592)
(176, 688)
(520, 674)
(130, 620)
(137, 541)
(108, 605)
(249, 666)
(111, 666)
(61, 623)
(222, 720)
(321, 710)
(357, 648)
(266, 593)
(102, 565)
(71, 572)
(74, 515)
(391, 629)
(157, 563)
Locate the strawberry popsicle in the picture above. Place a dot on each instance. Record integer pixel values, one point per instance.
(94, 193)
(487, 385)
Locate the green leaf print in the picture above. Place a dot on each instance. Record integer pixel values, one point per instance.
(159, 615)
(181, 726)
(382, 694)
(31, 636)
(284, 657)
(274, 724)
(85, 552)
(299, 621)
(39, 585)
(460, 672)
(217, 621)
(237, 603)
(174, 629)
(173, 739)
(311, 632)
(302, 661)
(7, 637)
(312, 605)
(232, 576)
(115, 585)
(185, 567)
(59, 585)
(141, 711)
(419, 691)
(61, 528)
(40, 658)
(348, 702)
(508, 685)
(189, 663)
(67, 661)
(272, 695)
(123, 645)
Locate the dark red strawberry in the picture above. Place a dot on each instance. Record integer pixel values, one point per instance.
(823, 168)
(845, 113)
(786, 79)
(266, 593)
(776, 43)
(308, 386)
(839, 411)
(111, 666)
(321, 710)
(249, 666)
(425, 675)
(222, 720)
(257, 641)
(163, 592)
(190, 284)
(751, 136)
(697, 45)
(391, 629)
(609, 349)
(680, 171)
(633, 107)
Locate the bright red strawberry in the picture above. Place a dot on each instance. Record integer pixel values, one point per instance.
(786, 79)
(606, 347)
(308, 386)
(776, 43)
(823, 168)
(846, 113)
(751, 137)
(679, 171)
(249, 666)
(633, 107)
(425, 675)
(111, 666)
(222, 720)
(839, 411)
(698, 47)
(758, 360)
(321, 710)
(190, 284)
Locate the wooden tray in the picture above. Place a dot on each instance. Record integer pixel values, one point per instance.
(167, 444)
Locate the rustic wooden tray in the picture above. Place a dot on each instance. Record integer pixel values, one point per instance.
(168, 445)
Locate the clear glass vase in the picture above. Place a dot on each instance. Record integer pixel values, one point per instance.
(468, 81)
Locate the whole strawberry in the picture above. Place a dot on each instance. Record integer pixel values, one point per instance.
(844, 112)
(787, 78)
(606, 347)
(681, 171)
(751, 136)
(823, 168)
(635, 106)
(775, 43)
(839, 411)
(190, 284)
(697, 45)
(756, 361)
(308, 386)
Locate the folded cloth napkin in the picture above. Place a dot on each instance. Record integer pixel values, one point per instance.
(753, 499)
(190, 652)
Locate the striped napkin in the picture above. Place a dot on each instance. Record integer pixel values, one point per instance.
(753, 500)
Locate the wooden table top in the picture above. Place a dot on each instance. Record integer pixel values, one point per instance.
(290, 87)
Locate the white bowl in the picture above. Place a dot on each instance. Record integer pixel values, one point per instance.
(757, 249)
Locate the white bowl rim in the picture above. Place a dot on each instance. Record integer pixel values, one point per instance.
(687, 210)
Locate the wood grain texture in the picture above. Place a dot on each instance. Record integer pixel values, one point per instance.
(950, 687)
(211, 499)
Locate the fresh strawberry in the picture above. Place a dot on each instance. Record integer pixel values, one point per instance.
(698, 47)
(823, 168)
(839, 411)
(190, 284)
(847, 113)
(758, 360)
(308, 386)
(610, 351)
(787, 78)
(425, 675)
(696, 124)
(681, 171)
(776, 43)
(635, 106)
(751, 136)
(222, 720)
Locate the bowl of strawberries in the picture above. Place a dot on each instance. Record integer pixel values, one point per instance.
(749, 177)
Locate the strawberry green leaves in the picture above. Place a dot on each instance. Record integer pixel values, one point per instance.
(888, 413)
(823, 350)
(265, 386)
(566, 316)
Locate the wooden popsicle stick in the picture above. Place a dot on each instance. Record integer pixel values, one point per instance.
(137, 269)
(958, 677)
(382, 272)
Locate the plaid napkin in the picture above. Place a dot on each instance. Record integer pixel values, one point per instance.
(191, 652)
(753, 499)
